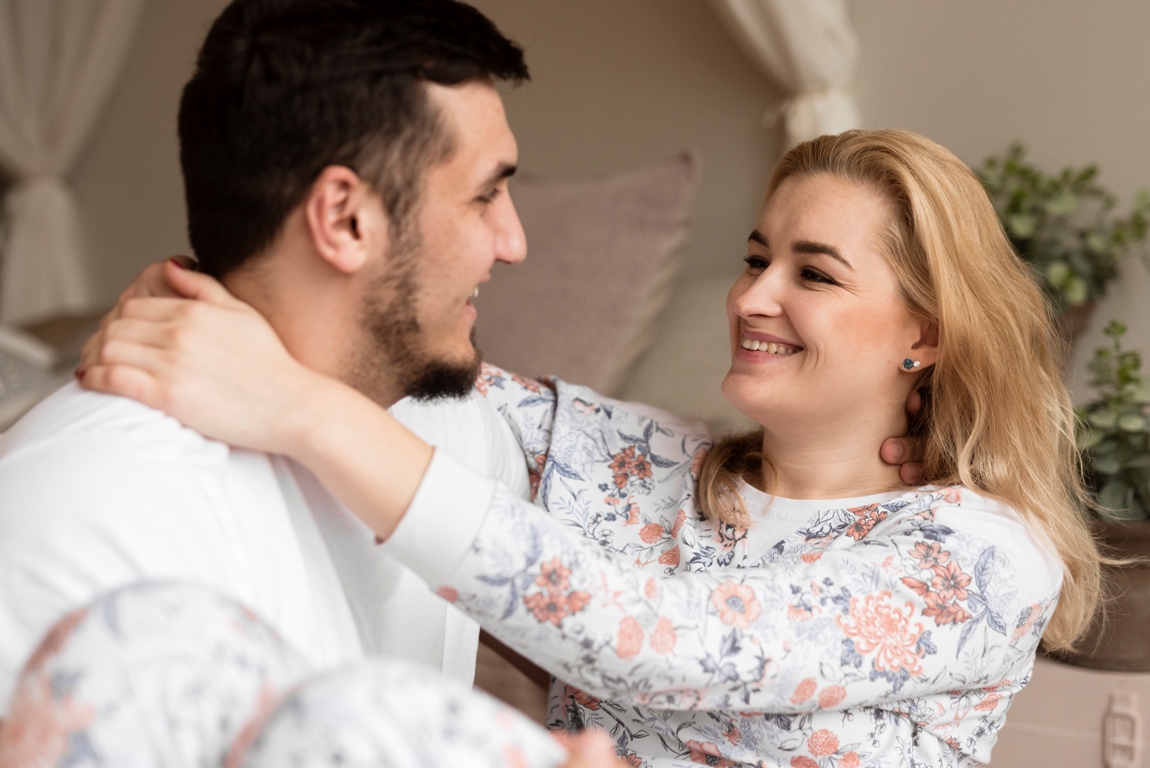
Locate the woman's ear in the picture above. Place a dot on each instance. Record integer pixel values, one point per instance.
(345, 219)
(925, 350)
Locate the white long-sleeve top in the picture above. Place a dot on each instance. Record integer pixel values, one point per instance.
(890, 633)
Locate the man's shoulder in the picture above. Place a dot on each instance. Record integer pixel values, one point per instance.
(106, 425)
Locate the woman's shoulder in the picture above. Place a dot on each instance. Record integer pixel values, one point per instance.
(992, 525)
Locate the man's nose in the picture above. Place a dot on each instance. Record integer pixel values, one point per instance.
(510, 242)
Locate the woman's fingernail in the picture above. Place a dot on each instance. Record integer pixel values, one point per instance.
(176, 261)
(896, 451)
(79, 372)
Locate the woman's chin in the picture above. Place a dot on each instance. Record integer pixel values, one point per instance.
(750, 396)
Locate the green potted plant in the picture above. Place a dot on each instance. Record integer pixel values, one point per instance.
(1114, 437)
(1066, 226)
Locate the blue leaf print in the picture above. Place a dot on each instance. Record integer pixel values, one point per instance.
(730, 645)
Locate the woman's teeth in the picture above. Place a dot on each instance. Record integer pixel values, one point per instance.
(475, 292)
(768, 347)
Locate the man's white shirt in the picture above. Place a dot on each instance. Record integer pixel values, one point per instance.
(97, 492)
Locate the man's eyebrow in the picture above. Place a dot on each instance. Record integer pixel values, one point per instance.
(504, 171)
(807, 246)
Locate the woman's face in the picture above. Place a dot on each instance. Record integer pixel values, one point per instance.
(819, 328)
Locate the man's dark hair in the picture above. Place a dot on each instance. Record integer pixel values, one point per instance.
(285, 88)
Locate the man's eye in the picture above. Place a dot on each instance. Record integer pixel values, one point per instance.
(756, 263)
(812, 276)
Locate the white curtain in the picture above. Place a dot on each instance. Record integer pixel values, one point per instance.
(810, 49)
(58, 62)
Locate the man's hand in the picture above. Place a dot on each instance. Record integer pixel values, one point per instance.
(590, 749)
(905, 452)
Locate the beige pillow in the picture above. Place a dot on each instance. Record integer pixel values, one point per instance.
(600, 262)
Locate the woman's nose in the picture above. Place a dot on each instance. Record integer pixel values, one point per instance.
(765, 296)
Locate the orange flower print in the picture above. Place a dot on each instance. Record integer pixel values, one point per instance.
(528, 384)
(651, 533)
(866, 518)
(450, 594)
(811, 557)
(802, 761)
(630, 639)
(670, 557)
(554, 575)
(736, 604)
(631, 760)
(804, 690)
(952, 495)
(266, 704)
(706, 753)
(651, 590)
(850, 760)
(663, 638)
(879, 627)
(585, 700)
(989, 703)
(942, 612)
(627, 464)
(950, 582)
(929, 555)
(823, 743)
(832, 696)
(680, 518)
(38, 725)
(731, 732)
(513, 757)
(554, 607)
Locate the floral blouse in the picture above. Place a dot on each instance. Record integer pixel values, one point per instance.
(891, 634)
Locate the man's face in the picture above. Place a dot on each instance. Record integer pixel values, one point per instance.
(419, 311)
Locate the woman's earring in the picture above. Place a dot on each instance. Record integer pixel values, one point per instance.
(910, 365)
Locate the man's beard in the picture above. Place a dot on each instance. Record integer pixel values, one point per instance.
(396, 350)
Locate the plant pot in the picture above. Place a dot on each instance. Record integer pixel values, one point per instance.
(1118, 639)
(1073, 323)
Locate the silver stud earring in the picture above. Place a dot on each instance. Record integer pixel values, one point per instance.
(910, 365)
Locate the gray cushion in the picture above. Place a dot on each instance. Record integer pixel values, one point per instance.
(600, 262)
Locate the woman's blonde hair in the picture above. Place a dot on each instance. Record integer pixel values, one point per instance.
(998, 418)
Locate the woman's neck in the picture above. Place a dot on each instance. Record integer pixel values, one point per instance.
(830, 462)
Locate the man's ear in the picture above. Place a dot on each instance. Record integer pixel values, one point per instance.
(345, 219)
(926, 348)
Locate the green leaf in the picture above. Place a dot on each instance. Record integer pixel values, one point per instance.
(1140, 392)
(1076, 291)
(1106, 465)
(1062, 205)
(1096, 242)
(1104, 419)
(1141, 461)
(1132, 422)
(1088, 438)
(1057, 272)
(1021, 225)
(1112, 498)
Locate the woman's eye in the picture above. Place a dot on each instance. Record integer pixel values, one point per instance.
(489, 197)
(812, 276)
(755, 263)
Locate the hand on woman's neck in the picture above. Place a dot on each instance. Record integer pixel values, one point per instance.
(833, 460)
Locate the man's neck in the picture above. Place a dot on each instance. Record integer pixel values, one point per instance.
(314, 311)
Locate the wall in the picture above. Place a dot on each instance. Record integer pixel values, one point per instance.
(615, 85)
(128, 181)
(1068, 78)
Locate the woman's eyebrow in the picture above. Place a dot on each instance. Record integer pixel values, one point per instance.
(807, 246)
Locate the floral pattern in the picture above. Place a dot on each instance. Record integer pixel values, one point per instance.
(891, 634)
(211, 684)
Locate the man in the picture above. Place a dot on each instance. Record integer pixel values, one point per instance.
(346, 167)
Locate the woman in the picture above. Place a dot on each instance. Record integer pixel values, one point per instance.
(780, 599)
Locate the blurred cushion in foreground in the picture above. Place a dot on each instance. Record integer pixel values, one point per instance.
(601, 256)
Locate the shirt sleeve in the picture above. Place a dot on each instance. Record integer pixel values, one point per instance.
(889, 617)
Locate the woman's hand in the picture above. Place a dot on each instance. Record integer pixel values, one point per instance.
(206, 358)
(215, 364)
(590, 749)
